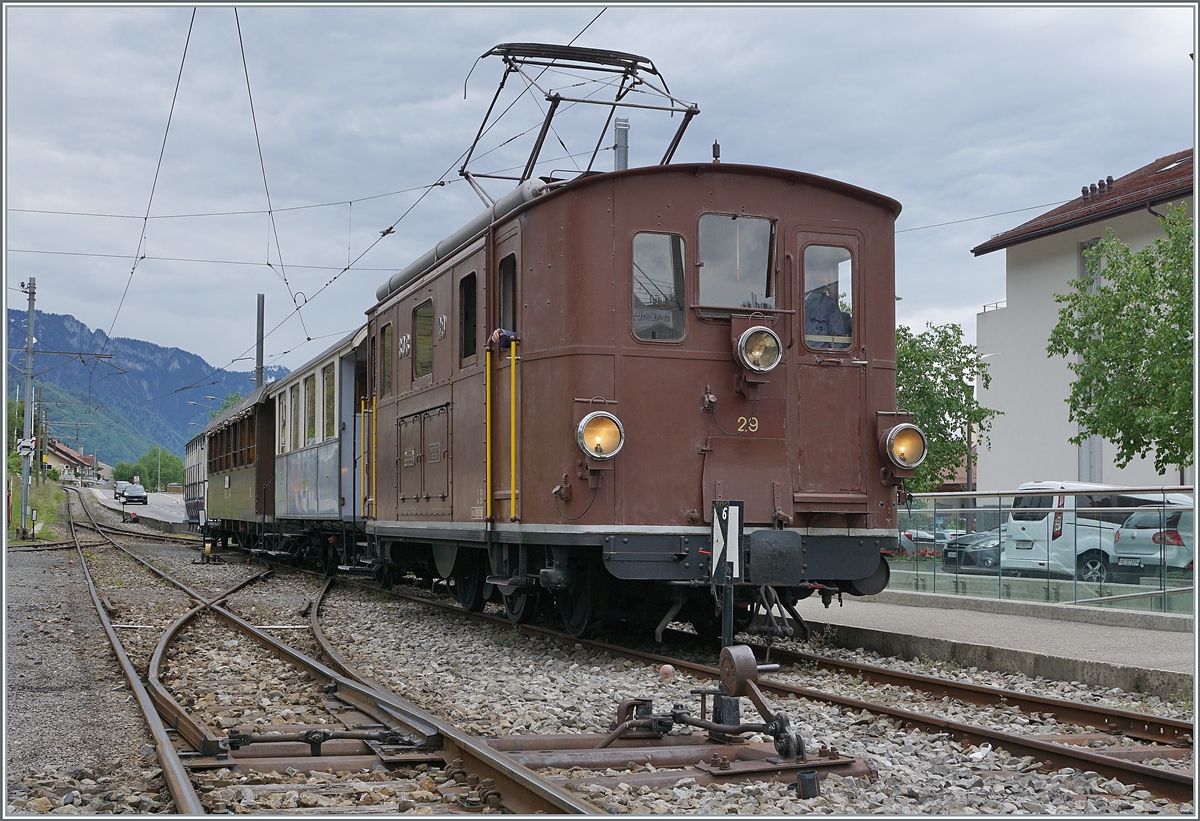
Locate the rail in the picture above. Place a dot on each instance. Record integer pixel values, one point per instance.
(174, 773)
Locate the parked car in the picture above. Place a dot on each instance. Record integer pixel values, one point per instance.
(119, 489)
(1067, 529)
(136, 495)
(912, 542)
(1155, 537)
(973, 553)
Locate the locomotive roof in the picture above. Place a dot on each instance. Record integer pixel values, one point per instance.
(530, 191)
(236, 411)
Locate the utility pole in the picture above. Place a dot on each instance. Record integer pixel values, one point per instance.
(39, 433)
(25, 445)
(258, 355)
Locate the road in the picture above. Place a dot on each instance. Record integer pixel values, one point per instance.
(165, 507)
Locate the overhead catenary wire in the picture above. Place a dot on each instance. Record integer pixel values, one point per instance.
(263, 165)
(154, 184)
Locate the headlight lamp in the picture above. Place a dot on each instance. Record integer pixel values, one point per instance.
(904, 445)
(600, 435)
(759, 349)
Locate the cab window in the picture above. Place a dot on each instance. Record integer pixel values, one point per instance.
(658, 286)
(735, 261)
(828, 299)
(508, 293)
(423, 339)
(385, 360)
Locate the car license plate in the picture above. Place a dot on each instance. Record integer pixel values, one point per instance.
(1128, 561)
(950, 555)
(1024, 545)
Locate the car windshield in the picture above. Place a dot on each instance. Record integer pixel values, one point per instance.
(1031, 508)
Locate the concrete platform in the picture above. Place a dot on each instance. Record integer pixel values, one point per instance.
(1155, 655)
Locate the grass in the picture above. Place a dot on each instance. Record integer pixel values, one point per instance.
(45, 499)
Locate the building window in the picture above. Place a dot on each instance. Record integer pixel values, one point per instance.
(658, 286)
(735, 261)
(466, 316)
(828, 298)
(327, 382)
(385, 358)
(423, 339)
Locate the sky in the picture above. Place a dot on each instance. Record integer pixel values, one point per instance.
(956, 112)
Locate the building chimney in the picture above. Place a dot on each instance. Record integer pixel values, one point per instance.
(1084, 192)
(1095, 191)
(1108, 184)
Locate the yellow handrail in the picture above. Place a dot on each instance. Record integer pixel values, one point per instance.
(362, 456)
(512, 432)
(487, 434)
(374, 472)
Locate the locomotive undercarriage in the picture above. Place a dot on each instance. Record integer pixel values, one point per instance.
(580, 583)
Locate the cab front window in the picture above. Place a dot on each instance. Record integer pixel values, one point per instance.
(828, 299)
(735, 261)
(658, 286)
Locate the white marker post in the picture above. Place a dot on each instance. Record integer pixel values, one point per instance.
(727, 558)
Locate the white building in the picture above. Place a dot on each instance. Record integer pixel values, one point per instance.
(1029, 441)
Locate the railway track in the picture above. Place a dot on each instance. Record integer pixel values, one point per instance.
(1172, 738)
(357, 728)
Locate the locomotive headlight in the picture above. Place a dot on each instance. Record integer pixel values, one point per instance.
(600, 435)
(759, 349)
(905, 446)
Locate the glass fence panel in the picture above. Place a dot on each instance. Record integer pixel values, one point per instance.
(1130, 548)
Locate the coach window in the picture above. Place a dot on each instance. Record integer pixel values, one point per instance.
(658, 286)
(295, 421)
(466, 316)
(508, 293)
(385, 359)
(828, 297)
(282, 411)
(735, 261)
(423, 339)
(310, 409)
(327, 383)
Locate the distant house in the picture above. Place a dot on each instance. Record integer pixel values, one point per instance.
(1029, 441)
(70, 463)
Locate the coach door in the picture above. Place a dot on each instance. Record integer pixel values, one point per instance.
(831, 377)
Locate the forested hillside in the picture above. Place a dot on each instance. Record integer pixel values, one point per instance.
(121, 405)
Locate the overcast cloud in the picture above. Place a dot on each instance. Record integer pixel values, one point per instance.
(955, 112)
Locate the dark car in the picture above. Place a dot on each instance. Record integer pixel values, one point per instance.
(136, 495)
(973, 553)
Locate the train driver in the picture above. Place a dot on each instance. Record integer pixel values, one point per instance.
(826, 325)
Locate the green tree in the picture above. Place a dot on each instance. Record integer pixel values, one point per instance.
(123, 472)
(228, 402)
(1126, 332)
(936, 374)
(157, 459)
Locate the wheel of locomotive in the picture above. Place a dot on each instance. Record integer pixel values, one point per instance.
(710, 629)
(470, 588)
(579, 603)
(522, 606)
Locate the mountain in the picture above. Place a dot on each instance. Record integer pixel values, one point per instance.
(118, 407)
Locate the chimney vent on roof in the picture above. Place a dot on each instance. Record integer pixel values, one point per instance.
(1084, 192)
(1095, 191)
(1108, 184)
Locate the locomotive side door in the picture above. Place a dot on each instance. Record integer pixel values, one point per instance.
(831, 377)
(506, 314)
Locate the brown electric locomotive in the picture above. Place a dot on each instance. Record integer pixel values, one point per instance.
(555, 403)
(561, 398)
